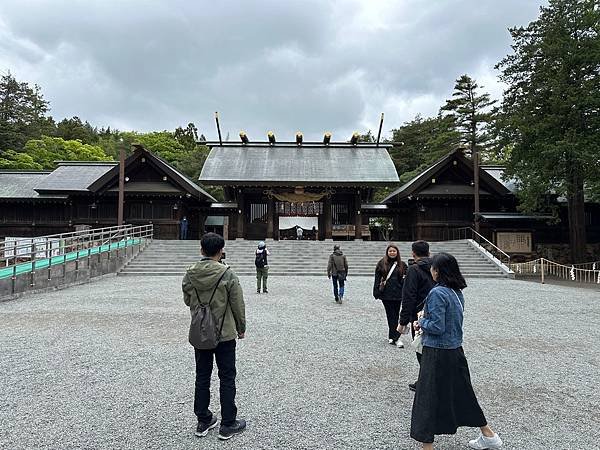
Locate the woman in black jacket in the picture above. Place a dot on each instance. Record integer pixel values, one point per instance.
(389, 280)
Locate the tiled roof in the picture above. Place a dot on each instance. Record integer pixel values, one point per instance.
(74, 176)
(20, 184)
(298, 165)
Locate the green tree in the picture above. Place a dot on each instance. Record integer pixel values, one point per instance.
(47, 150)
(187, 137)
(550, 110)
(424, 141)
(17, 160)
(22, 113)
(74, 129)
(471, 113)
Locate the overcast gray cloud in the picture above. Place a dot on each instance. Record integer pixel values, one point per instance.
(310, 65)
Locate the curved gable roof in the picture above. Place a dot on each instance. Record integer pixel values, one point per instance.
(107, 180)
(423, 180)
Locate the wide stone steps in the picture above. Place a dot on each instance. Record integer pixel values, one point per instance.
(296, 258)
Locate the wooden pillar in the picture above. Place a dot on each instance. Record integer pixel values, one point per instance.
(201, 223)
(240, 215)
(270, 217)
(328, 222)
(475, 156)
(226, 227)
(121, 186)
(357, 217)
(395, 234)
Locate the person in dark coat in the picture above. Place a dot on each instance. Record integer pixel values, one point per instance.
(183, 228)
(337, 271)
(445, 399)
(417, 284)
(389, 279)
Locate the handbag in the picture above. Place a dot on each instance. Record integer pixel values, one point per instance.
(384, 281)
(417, 342)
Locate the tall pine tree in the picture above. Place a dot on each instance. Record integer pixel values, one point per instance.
(472, 114)
(551, 109)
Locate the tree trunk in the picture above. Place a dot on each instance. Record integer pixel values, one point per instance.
(576, 212)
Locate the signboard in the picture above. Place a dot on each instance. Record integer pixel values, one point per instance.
(44, 247)
(514, 242)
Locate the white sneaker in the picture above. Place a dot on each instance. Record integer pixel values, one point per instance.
(399, 343)
(489, 443)
(390, 341)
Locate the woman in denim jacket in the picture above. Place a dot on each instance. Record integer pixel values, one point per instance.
(445, 399)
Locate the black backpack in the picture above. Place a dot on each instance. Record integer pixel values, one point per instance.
(259, 261)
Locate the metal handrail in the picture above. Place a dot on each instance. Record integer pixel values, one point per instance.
(29, 248)
(71, 234)
(475, 236)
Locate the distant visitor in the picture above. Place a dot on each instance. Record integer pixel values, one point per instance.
(262, 267)
(183, 228)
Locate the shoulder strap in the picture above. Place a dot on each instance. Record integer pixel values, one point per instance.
(391, 271)
(215, 289)
(459, 302)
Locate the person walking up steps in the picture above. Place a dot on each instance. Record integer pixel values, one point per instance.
(337, 271)
(445, 399)
(389, 279)
(262, 267)
(417, 284)
(213, 285)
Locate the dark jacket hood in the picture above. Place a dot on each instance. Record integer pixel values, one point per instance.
(424, 264)
(205, 274)
(338, 252)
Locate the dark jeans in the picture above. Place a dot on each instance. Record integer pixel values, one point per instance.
(392, 312)
(183, 233)
(224, 354)
(337, 293)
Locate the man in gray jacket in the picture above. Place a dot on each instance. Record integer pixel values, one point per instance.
(228, 308)
(337, 270)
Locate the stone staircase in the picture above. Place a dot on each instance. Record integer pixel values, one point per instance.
(297, 258)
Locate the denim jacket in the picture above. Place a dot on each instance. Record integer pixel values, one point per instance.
(443, 320)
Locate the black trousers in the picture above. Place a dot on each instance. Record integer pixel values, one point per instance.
(224, 354)
(392, 312)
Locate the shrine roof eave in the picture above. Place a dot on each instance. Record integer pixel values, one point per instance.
(292, 183)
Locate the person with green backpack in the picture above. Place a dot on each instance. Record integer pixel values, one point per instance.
(216, 301)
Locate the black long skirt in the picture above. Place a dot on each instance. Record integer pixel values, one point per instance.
(444, 399)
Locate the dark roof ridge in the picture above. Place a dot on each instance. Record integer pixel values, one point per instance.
(26, 172)
(294, 144)
(86, 163)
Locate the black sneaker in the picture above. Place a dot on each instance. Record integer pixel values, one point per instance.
(258, 291)
(413, 386)
(228, 432)
(203, 428)
(265, 292)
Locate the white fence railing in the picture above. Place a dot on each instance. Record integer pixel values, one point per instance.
(544, 268)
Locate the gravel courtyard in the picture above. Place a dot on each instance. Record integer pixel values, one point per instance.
(107, 365)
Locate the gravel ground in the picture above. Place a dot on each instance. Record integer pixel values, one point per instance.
(107, 365)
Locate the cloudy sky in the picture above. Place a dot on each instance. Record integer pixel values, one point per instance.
(282, 65)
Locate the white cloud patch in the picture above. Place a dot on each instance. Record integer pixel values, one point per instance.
(265, 65)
